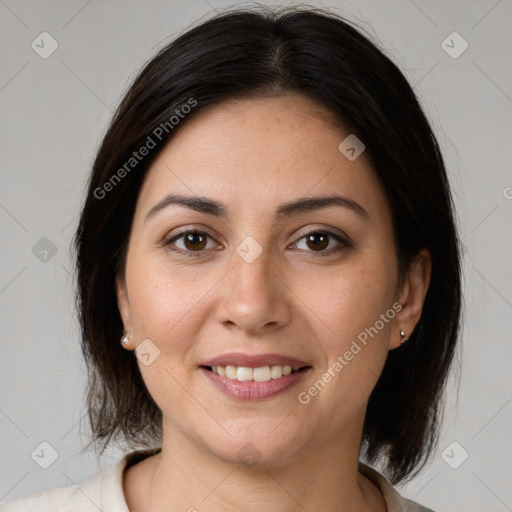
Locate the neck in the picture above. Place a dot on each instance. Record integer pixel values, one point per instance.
(186, 477)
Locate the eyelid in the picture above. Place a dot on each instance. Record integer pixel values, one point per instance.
(323, 229)
(185, 230)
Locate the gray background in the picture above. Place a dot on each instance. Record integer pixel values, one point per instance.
(54, 112)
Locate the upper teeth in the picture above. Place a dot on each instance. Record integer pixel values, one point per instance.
(260, 374)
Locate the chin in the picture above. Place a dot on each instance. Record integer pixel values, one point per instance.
(258, 444)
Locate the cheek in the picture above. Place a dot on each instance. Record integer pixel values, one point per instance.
(158, 297)
(356, 307)
(167, 303)
(353, 299)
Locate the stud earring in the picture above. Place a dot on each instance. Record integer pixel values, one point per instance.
(125, 340)
(402, 335)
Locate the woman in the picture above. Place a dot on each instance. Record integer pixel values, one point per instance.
(269, 276)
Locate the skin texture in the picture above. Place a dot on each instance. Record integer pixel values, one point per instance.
(252, 156)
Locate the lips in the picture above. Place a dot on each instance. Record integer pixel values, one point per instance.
(254, 377)
(254, 361)
(252, 390)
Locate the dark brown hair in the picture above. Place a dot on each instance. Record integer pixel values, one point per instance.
(265, 52)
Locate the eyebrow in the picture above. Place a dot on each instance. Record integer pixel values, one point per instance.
(215, 208)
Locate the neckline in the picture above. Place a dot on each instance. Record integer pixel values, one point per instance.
(393, 500)
(137, 456)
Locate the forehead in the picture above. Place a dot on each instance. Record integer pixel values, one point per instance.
(259, 153)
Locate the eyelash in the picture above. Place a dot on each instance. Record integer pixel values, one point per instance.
(344, 243)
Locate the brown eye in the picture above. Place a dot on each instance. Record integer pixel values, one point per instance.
(319, 241)
(193, 241)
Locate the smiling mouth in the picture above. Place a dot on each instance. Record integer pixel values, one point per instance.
(259, 374)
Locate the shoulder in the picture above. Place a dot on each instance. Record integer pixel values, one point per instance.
(45, 501)
(101, 491)
(394, 501)
(89, 495)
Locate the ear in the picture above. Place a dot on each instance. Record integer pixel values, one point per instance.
(123, 304)
(412, 296)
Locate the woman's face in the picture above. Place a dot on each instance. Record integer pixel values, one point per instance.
(255, 282)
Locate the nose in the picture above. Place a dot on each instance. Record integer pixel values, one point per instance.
(255, 299)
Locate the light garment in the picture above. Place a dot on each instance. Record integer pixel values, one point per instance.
(104, 491)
